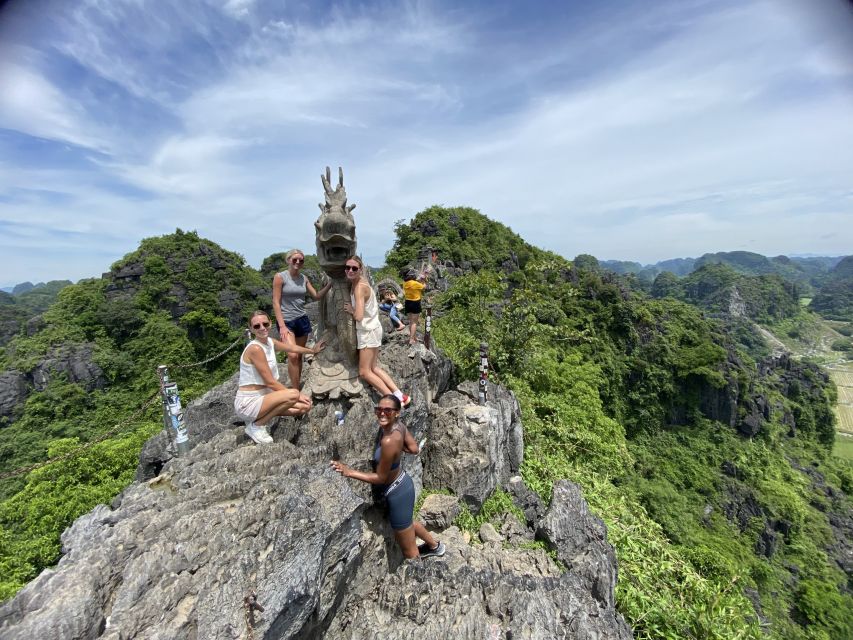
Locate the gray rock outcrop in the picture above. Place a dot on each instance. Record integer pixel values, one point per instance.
(13, 393)
(476, 448)
(180, 549)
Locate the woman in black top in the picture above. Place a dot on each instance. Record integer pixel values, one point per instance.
(394, 483)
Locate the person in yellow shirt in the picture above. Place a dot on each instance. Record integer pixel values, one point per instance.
(413, 289)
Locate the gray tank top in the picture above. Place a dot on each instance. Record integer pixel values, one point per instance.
(292, 296)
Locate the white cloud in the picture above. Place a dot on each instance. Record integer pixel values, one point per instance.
(238, 8)
(645, 136)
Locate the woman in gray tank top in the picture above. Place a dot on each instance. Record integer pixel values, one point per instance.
(289, 289)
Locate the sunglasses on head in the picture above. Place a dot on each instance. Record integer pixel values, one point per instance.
(350, 267)
(384, 411)
(297, 260)
(258, 325)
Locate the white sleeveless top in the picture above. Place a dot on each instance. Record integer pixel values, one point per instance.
(248, 373)
(370, 321)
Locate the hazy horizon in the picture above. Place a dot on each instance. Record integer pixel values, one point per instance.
(8, 286)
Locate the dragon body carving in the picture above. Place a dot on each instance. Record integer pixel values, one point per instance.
(336, 241)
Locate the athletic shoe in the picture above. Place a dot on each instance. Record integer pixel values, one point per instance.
(258, 434)
(406, 401)
(427, 552)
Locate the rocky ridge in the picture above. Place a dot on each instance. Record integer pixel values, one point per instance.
(177, 552)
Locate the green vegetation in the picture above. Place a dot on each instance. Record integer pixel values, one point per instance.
(834, 301)
(632, 398)
(718, 288)
(843, 447)
(621, 395)
(178, 299)
(17, 308)
(460, 234)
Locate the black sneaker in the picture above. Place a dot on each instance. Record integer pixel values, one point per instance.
(427, 552)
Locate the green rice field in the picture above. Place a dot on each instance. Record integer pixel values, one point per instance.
(843, 379)
(843, 447)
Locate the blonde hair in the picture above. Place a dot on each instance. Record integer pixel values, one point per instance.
(257, 313)
(293, 252)
(358, 260)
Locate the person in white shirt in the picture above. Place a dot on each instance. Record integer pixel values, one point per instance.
(260, 396)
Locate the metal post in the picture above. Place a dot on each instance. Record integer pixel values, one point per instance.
(173, 414)
(427, 325)
(484, 371)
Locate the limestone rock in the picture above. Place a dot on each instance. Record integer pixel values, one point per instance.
(439, 511)
(13, 393)
(73, 361)
(580, 539)
(179, 551)
(472, 592)
(474, 449)
(176, 559)
(488, 534)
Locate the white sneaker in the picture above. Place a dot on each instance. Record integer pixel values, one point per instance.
(258, 433)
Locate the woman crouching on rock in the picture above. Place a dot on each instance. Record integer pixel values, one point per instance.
(393, 482)
(260, 396)
(368, 331)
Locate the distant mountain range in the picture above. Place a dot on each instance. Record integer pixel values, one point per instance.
(828, 280)
(805, 271)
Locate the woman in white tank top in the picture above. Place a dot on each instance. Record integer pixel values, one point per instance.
(260, 396)
(368, 331)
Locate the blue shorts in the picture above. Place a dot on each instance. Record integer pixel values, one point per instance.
(400, 498)
(300, 327)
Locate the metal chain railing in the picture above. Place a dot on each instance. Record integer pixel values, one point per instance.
(250, 605)
(133, 417)
(244, 336)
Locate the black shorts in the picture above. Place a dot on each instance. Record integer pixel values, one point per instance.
(412, 306)
(300, 327)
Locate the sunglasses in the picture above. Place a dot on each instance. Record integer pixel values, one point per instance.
(384, 411)
(351, 268)
(297, 261)
(258, 325)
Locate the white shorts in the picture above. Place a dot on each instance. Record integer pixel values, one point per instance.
(247, 404)
(370, 338)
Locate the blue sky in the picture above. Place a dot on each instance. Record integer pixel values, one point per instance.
(628, 130)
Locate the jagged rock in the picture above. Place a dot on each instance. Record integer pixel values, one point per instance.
(741, 506)
(472, 592)
(766, 543)
(203, 418)
(488, 534)
(35, 324)
(439, 511)
(513, 531)
(580, 539)
(177, 553)
(526, 500)
(13, 392)
(476, 448)
(75, 362)
(730, 469)
(176, 560)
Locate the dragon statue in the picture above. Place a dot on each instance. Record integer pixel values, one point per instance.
(336, 242)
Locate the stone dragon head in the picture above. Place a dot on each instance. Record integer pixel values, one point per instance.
(335, 227)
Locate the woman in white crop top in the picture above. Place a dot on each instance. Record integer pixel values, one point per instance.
(368, 332)
(260, 396)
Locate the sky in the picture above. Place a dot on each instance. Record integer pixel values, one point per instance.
(631, 130)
